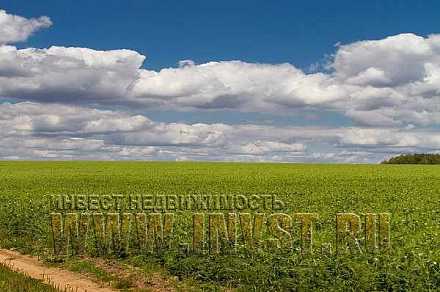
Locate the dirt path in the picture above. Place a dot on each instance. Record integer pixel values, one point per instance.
(53, 276)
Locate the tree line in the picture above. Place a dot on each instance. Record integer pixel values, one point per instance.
(414, 159)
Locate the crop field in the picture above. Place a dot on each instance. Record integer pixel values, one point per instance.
(409, 194)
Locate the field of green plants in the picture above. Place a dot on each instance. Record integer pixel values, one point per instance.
(410, 193)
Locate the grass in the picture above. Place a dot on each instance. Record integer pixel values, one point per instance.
(11, 281)
(88, 268)
(409, 192)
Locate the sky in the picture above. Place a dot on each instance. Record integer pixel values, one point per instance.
(283, 81)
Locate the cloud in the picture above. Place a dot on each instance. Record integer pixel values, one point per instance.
(392, 137)
(269, 147)
(71, 75)
(393, 61)
(14, 28)
(50, 118)
(80, 75)
(393, 81)
(234, 85)
(55, 131)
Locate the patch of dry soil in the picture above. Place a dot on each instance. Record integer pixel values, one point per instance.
(53, 276)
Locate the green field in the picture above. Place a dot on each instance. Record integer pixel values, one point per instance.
(411, 194)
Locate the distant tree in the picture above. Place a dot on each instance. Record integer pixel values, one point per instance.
(414, 159)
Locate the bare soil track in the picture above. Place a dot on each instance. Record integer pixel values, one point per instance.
(53, 276)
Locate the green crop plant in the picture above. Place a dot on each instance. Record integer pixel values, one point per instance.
(409, 193)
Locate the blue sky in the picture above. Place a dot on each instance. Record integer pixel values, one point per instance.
(297, 32)
(289, 81)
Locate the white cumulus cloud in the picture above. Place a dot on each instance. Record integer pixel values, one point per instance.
(14, 28)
